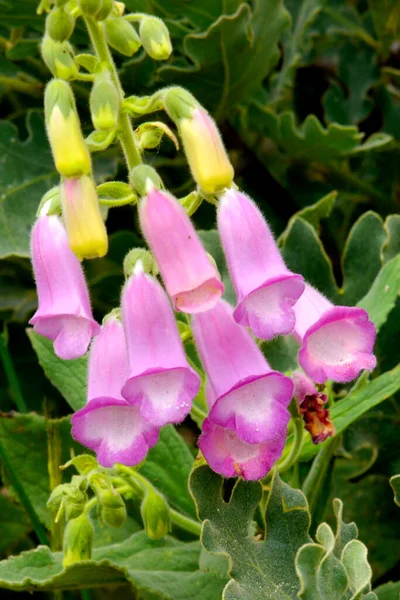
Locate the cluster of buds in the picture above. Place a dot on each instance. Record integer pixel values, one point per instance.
(139, 377)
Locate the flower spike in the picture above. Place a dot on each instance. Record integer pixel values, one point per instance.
(108, 424)
(189, 276)
(64, 314)
(266, 290)
(160, 381)
(337, 342)
(250, 398)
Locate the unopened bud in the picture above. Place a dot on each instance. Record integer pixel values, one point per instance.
(143, 178)
(60, 24)
(70, 498)
(78, 540)
(156, 516)
(155, 39)
(122, 36)
(90, 8)
(119, 8)
(148, 261)
(70, 153)
(59, 58)
(313, 408)
(87, 233)
(104, 102)
(179, 103)
(112, 507)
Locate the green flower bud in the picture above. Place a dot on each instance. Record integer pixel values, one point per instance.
(155, 39)
(70, 153)
(179, 103)
(122, 36)
(70, 498)
(119, 8)
(142, 177)
(59, 58)
(148, 262)
(60, 24)
(112, 507)
(104, 102)
(78, 540)
(155, 515)
(90, 8)
(105, 9)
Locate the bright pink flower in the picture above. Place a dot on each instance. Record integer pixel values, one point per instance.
(189, 276)
(250, 398)
(337, 342)
(64, 314)
(160, 380)
(108, 424)
(266, 290)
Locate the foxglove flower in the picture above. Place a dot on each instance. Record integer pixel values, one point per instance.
(336, 341)
(189, 276)
(81, 211)
(250, 398)
(266, 290)
(313, 408)
(160, 381)
(232, 457)
(108, 424)
(64, 314)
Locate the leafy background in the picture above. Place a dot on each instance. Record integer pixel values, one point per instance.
(307, 95)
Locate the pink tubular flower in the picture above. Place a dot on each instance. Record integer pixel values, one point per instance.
(231, 457)
(336, 341)
(266, 290)
(64, 314)
(189, 276)
(160, 380)
(108, 424)
(250, 398)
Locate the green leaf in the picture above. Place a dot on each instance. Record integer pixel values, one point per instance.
(310, 140)
(356, 403)
(115, 193)
(258, 569)
(395, 484)
(361, 257)
(392, 245)
(382, 296)
(68, 376)
(147, 565)
(100, 140)
(388, 591)
(167, 466)
(357, 567)
(386, 19)
(87, 61)
(14, 523)
(234, 55)
(199, 15)
(320, 210)
(304, 253)
(26, 173)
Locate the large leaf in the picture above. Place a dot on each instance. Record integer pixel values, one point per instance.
(310, 140)
(14, 523)
(258, 569)
(386, 18)
(392, 245)
(232, 56)
(199, 15)
(68, 376)
(165, 568)
(388, 591)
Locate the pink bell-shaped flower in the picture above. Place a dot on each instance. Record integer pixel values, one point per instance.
(160, 381)
(337, 342)
(266, 290)
(108, 424)
(64, 314)
(232, 457)
(189, 276)
(250, 398)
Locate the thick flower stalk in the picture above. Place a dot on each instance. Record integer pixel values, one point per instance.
(265, 288)
(108, 424)
(204, 149)
(64, 314)
(81, 211)
(313, 408)
(160, 381)
(337, 342)
(189, 276)
(250, 399)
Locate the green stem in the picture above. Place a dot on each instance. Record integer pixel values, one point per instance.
(185, 522)
(54, 460)
(23, 497)
(297, 443)
(11, 375)
(314, 482)
(125, 130)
